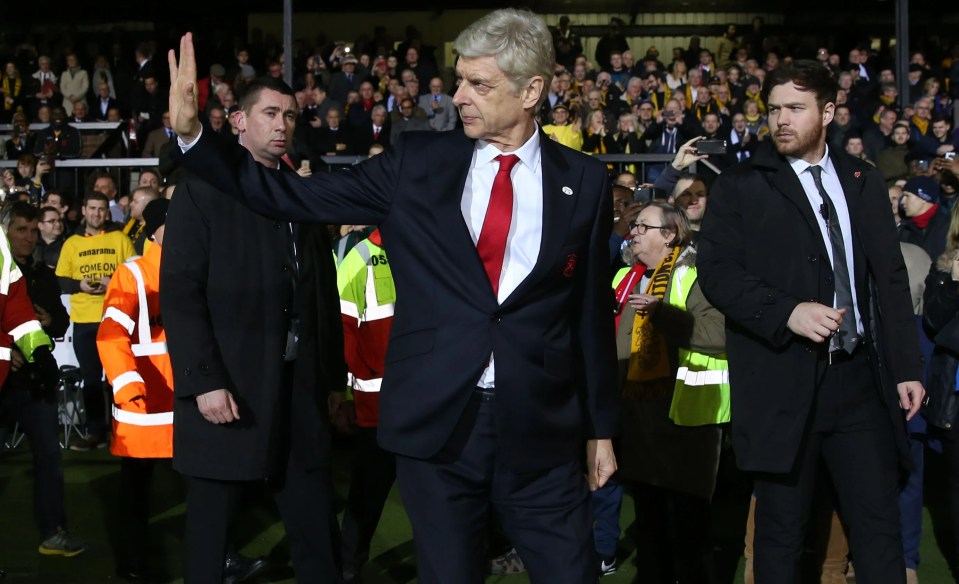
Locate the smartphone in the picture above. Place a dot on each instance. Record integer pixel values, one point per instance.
(643, 195)
(711, 147)
(305, 165)
(949, 155)
(922, 164)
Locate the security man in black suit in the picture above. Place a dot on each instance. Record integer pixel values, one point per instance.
(799, 253)
(252, 319)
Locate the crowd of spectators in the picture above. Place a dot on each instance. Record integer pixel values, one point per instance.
(623, 100)
(355, 99)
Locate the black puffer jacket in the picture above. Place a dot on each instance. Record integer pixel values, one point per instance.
(941, 319)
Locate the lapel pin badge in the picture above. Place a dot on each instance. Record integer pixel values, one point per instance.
(567, 191)
(570, 267)
(857, 173)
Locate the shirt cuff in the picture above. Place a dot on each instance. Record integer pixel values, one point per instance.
(185, 147)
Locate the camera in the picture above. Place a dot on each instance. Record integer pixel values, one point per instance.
(711, 147)
(922, 164)
(669, 115)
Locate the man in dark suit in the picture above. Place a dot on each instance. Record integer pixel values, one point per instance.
(350, 76)
(252, 320)
(103, 103)
(376, 131)
(501, 362)
(797, 250)
(333, 138)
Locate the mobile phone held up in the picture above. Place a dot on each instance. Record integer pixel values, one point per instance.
(711, 147)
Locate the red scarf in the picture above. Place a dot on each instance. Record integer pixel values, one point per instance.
(922, 221)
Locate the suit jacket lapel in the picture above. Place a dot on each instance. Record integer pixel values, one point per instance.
(784, 179)
(446, 192)
(558, 210)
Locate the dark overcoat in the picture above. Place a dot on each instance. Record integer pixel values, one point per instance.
(229, 287)
(761, 253)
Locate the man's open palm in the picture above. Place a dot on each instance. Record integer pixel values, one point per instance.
(183, 105)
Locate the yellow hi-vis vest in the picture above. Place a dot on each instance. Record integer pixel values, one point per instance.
(701, 394)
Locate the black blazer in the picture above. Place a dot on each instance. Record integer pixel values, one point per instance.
(760, 254)
(552, 337)
(228, 296)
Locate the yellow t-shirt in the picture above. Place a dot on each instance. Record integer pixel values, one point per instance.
(94, 257)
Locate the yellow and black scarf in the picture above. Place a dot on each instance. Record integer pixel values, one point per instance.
(17, 85)
(649, 372)
(921, 124)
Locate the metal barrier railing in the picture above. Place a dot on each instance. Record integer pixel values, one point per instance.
(115, 166)
(621, 163)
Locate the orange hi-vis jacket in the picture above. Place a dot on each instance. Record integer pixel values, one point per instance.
(132, 346)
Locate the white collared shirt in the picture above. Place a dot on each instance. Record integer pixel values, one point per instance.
(830, 182)
(526, 227)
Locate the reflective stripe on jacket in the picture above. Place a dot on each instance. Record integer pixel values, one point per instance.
(367, 296)
(18, 321)
(132, 346)
(701, 394)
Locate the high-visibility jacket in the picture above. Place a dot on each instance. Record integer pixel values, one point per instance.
(132, 346)
(18, 321)
(367, 296)
(701, 394)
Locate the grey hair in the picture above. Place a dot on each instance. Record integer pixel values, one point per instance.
(675, 220)
(518, 39)
(377, 108)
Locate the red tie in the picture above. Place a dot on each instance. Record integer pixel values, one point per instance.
(376, 133)
(492, 241)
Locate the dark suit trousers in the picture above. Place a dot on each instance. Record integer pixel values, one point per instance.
(374, 472)
(850, 433)
(547, 515)
(304, 501)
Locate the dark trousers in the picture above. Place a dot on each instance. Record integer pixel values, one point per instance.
(37, 416)
(94, 402)
(950, 451)
(304, 501)
(607, 503)
(374, 471)
(136, 474)
(672, 535)
(851, 434)
(546, 514)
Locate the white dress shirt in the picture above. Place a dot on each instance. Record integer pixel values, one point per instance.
(526, 227)
(830, 182)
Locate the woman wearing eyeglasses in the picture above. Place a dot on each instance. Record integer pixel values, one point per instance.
(675, 388)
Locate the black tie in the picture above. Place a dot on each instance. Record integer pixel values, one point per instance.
(845, 337)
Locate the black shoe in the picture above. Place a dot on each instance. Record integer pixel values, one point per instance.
(237, 568)
(133, 574)
(91, 442)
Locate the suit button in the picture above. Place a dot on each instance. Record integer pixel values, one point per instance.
(204, 367)
(187, 371)
(758, 314)
(276, 225)
(829, 280)
(284, 269)
(812, 257)
(496, 318)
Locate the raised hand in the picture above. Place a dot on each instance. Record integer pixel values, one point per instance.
(184, 114)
